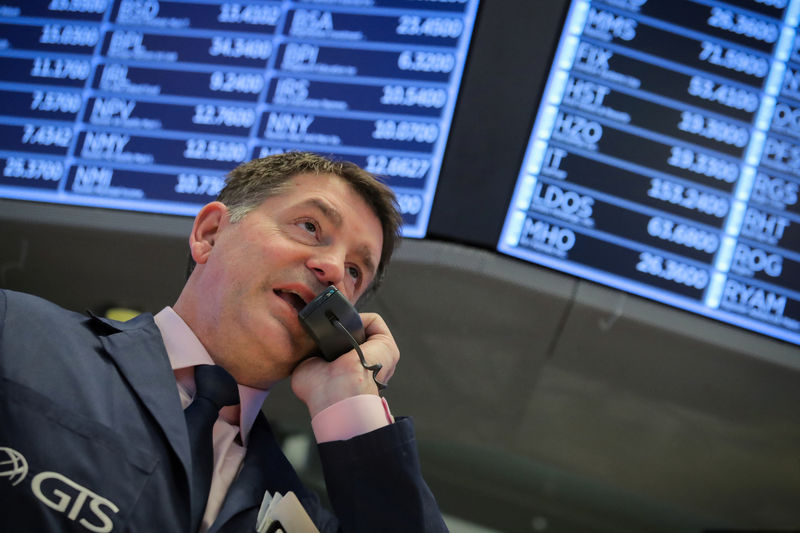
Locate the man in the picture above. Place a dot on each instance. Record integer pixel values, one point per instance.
(92, 432)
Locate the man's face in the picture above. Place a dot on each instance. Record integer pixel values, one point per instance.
(260, 271)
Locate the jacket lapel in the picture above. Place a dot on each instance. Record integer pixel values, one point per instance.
(137, 349)
(264, 468)
(248, 488)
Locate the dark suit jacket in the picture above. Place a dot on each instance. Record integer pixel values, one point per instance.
(93, 438)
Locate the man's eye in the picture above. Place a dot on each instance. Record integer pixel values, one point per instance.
(354, 273)
(309, 226)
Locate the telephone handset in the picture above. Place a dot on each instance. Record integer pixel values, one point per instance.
(336, 328)
(319, 318)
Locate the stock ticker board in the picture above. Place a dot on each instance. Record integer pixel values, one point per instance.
(146, 104)
(665, 158)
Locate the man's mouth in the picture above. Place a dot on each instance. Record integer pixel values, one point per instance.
(292, 298)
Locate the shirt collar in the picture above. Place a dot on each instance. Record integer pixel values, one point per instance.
(185, 350)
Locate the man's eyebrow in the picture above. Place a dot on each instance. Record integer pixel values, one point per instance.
(333, 214)
(328, 211)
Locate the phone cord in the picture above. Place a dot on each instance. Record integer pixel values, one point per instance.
(375, 368)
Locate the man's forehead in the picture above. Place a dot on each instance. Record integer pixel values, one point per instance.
(324, 192)
(304, 185)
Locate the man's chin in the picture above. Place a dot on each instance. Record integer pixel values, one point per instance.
(307, 353)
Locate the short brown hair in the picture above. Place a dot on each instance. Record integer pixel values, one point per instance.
(249, 184)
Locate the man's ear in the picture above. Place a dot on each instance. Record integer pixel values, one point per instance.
(205, 230)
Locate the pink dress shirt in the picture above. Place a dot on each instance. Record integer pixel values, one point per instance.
(343, 420)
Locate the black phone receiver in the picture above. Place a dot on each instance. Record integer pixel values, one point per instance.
(336, 327)
(319, 319)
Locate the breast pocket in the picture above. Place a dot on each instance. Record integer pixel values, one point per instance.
(61, 471)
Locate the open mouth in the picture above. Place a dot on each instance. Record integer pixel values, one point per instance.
(292, 298)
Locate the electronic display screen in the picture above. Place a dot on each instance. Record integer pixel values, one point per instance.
(145, 105)
(665, 158)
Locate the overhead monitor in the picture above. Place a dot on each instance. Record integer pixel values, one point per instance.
(665, 158)
(144, 105)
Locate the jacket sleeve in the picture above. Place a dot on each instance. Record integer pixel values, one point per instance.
(375, 483)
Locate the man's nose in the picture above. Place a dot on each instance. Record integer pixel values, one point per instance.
(328, 267)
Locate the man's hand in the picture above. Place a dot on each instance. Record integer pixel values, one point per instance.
(320, 384)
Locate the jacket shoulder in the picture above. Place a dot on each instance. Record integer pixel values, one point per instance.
(13, 302)
(28, 311)
(26, 314)
(34, 325)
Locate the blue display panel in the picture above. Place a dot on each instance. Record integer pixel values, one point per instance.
(145, 104)
(665, 158)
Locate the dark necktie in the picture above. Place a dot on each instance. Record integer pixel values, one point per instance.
(216, 388)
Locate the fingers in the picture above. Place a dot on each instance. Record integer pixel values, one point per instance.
(319, 383)
(380, 347)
